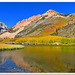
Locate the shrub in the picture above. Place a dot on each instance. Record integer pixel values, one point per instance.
(65, 41)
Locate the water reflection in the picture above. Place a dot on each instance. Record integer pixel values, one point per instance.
(42, 58)
(7, 65)
(3, 57)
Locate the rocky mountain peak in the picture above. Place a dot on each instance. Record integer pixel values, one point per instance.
(50, 13)
(3, 27)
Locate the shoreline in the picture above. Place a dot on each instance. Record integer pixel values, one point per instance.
(36, 44)
(44, 45)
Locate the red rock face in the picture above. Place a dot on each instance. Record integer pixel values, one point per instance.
(25, 22)
(19, 25)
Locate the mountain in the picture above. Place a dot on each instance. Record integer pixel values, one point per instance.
(3, 27)
(49, 23)
(68, 30)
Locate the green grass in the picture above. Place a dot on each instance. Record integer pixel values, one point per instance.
(10, 47)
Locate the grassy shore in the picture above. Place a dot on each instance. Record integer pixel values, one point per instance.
(43, 40)
(10, 47)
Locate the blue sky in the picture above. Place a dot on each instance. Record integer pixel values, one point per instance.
(12, 12)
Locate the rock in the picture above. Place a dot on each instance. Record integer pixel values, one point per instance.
(3, 27)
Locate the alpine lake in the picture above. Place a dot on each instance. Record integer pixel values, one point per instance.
(38, 59)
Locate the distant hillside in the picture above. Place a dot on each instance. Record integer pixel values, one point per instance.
(49, 23)
(3, 27)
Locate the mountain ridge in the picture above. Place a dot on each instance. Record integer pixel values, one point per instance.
(46, 24)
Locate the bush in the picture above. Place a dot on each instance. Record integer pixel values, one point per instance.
(50, 41)
(65, 41)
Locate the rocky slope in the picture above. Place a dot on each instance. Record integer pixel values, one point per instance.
(49, 23)
(68, 30)
(11, 32)
(3, 27)
(46, 24)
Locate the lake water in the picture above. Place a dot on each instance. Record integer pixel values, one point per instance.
(50, 59)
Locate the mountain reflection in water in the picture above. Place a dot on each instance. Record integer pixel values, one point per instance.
(8, 66)
(38, 59)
